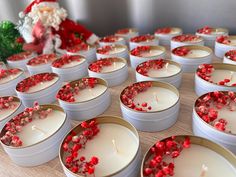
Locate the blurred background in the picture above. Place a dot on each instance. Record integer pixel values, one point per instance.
(106, 16)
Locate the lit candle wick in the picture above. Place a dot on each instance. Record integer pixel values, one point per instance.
(155, 96)
(231, 75)
(114, 64)
(38, 129)
(204, 170)
(114, 145)
(166, 66)
(41, 83)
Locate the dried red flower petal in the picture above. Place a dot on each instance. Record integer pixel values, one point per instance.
(66, 59)
(231, 55)
(181, 51)
(205, 30)
(166, 30)
(111, 38)
(42, 59)
(139, 50)
(143, 38)
(99, 64)
(20, 56)
(8, 72)
(223, 40)
(79, 47)
(186, 38)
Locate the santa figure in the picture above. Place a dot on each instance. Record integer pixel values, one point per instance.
(46, 28)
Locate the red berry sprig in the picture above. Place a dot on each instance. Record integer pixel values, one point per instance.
(111, 38)
(128, 94)
(8, 72)
(181, 51)
(74, 143)
(16, 124)
(69, 91)
(42, 59)
(204, 71)
(99, 64)
(205, 30)
(143, 68)
(139, 50)
(223, 40)
(169, 148)
(80, 47)
(143, 38)
(34, 80)
(66, 59)
(166, 30)
(186, 38)
(19, 56)
(105, 49)
(231, 55)
(208, 105)
(7, 103)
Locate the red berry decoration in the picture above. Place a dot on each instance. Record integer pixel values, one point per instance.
(223, 39)
(208, 105)
(181, 51)
(42, 59)
(19, 56)
(169, 148)
(205, 30)
(15, 125)
(105, 49)
(143, 38)
(8, 72)
(186, 38)
(99, 64)
(7, 103)
(163, 30)
(231, 55)
(73, 161)
(66, 59)
(143, 68)
(80, 47)
(111, 38)
(139, 50)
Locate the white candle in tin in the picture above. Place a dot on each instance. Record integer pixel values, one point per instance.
(167, 70)
(10, 77)
(72, 64)
(4, 113)
(90, 93)
(158, 98)
(194, 53)
(192, 160)
(40, 129)
(219, 75)
(110, 146)
(152, 52)
(42, 85)
(116, 65)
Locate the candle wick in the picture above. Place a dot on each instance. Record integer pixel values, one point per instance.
(231, 75)
(155, 96)
(41, 83)
(114, 145)
(166, 66)
(204, 170)
(38, 129)
(114, 64)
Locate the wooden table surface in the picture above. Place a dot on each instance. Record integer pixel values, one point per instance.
(182, 127)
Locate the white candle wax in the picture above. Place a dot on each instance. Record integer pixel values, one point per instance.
(72, 64)
(90, 93)
(191, 160)
(40, 129)
(157, 97)
(116, 50)
(42, 85)
(102, 146)
(116, 65)
(10, 77)
(232, 42)
(197, 53)
(151, 53)
(170, 70)
(220, 75)
(4, 113)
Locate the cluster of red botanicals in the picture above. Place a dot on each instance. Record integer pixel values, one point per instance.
(139, 50)
(181, 51)
(123, 31)
(129, 93)
(75, 142)
(186, 37)
(143, 38)
(111, 38)
(105, 49)
(205, 70)
(7, 103)
(231, 55)
(143, 68)
(208, 105)
(19, 56)
(169, 148)
(80, 47)
(7, 72)
(15, 125)
(163, 30)
(66, 59)
(42, 59)
(34, 80)
(99, 64)
(223, 40)
(205, 30)
(69, 91)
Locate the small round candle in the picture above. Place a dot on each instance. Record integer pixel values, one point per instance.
(112, 51)
(230, 57)
(143, 40)
(127, 33)
(111, 40)
(108, 141)
(113, 70)
(159, 70)
(223, 44)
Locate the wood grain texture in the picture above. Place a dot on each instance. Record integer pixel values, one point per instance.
(182, 126)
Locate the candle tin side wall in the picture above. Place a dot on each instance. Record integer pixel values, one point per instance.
(191, 64)
(175, 44)
(164, 39)
(8, 88)
(41, 152)
(87, 109)
(153, 121)
(133, 45)
(43, 68)
(174, 80)
(221, 49)
(202, 86)
(72, 73)
(113, 78)
(131, 170)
